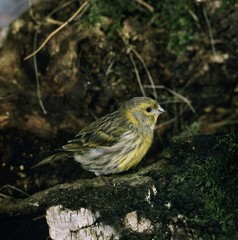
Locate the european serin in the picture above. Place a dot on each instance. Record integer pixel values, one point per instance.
(117, 141)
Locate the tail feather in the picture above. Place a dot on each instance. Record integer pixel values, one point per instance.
(59, 155)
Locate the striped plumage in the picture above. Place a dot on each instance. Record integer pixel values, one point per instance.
(115, 142)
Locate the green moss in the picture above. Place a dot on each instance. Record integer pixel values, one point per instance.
(209, 181)
(175, 17)
(169, 14)
(116, 10)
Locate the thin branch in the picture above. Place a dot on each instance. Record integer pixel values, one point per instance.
(53, 21)
(38, 92)
(109, 69)
(136, 72)
(49, 20)
(209, 30)
(84, 6)
(4, 196)
(13, 188)
(184, 99)
(30, 4)
(193, 15)
(146, 5)
(147, 71)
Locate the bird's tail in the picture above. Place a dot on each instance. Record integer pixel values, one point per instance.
(59, 155)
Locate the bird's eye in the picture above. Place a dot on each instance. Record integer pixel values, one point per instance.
(148, 109)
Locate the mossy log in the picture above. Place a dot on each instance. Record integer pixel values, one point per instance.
(190, 192)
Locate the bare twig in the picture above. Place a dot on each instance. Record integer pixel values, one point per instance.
(53, 21)
(136, 72)
(109, 69)
(38, 218)
(13, 188)
(209, 30)
(30, 3)
(193, 15)
(184, 99)
(4, 196)
(83, 7)
(146, 5)
(147, 71)
(38, 92)
(48, 19)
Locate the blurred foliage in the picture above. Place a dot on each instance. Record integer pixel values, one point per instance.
(176, 17)
(168, 14)
(230, 2)
(116, 11)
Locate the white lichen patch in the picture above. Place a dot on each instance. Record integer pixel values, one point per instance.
(151, 192)
(168, 205)
(154, 190)
(65, 224)
(136, 224)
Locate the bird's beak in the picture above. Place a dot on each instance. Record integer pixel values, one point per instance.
(160, 110)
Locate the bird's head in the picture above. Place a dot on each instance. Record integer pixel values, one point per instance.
(142, 111)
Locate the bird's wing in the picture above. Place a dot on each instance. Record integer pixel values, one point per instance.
(104, 132)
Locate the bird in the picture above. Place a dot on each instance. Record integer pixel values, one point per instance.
(115, 142)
